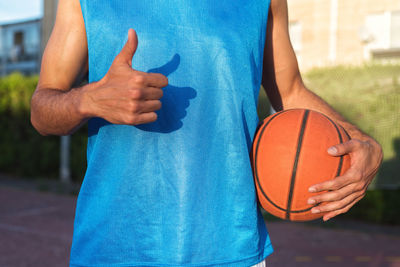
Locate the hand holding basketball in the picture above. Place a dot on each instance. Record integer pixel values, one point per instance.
(289, 155)
(306, 166)
(347, 189)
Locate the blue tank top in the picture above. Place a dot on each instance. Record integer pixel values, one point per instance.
(178, 191)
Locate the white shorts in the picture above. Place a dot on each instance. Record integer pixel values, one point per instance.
(260, 264)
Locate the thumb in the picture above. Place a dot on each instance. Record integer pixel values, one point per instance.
(344, 148)
(129, 49)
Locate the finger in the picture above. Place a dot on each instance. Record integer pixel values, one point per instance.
(148, 93)
(152, 93)
(150, 106)
(332, 214)
(344, 148)
(336, 205)
(146, 118)
(129, 49)
(336, 194)
(350, 176)
(156, 80)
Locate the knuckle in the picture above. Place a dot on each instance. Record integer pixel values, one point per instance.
(131, 119)
(337, 205)
(358, 176)
(323, 197)
(335, 186)
(134, 106)
(352, 141)
(359, 187)
(332, 185)
(318, 199)
(356, 143)
(139, 79)
(317, 188)
(136, 94)
(336, 195)
(326, 208)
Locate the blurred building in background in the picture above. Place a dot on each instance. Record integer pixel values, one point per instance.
(332, 32)
(20, 47)
(22, 43)
(323, 33)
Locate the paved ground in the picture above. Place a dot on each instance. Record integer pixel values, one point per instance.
(36, 230)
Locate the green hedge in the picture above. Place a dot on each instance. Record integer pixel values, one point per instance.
(368, 96)
(24, 152)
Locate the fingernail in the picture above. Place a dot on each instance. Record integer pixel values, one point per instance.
(312, 190)
(332, 150)
(315, 211)
(311, 201)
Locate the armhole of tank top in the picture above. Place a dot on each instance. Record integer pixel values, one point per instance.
(265, 26)
(83, 7)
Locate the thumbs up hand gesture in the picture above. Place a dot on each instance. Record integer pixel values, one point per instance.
(125, 95)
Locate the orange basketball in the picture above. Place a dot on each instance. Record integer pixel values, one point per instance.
(289, 155)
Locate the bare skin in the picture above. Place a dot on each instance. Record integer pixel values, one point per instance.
(283, 83)
(122, 96)
(127, 96)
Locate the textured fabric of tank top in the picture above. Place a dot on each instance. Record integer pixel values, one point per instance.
(178, 191)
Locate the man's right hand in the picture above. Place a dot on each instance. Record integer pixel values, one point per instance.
(125, 95)
(122, 96)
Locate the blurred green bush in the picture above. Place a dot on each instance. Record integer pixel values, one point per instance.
(368, 96)
(24, 152)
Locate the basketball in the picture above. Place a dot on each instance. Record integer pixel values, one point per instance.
(289, 155)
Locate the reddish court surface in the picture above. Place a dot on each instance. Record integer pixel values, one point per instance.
(36, 230)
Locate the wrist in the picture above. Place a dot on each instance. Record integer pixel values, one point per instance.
(376, 147)
(84, 105)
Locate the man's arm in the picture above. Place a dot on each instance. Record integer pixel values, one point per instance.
(55, 108)
(285, 89)
(122, 96)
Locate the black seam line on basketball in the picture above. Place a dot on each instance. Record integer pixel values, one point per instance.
(348, 136)
(340, 166)
(256, 171)
(255, 161)
(296, 161)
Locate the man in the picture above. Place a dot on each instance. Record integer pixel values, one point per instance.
(169, 181)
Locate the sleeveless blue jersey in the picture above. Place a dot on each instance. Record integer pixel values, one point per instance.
(178, 191)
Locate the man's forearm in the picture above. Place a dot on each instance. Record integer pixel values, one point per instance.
(58, 112)
(304, 98)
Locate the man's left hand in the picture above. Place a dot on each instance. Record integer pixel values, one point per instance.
(346, 190)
